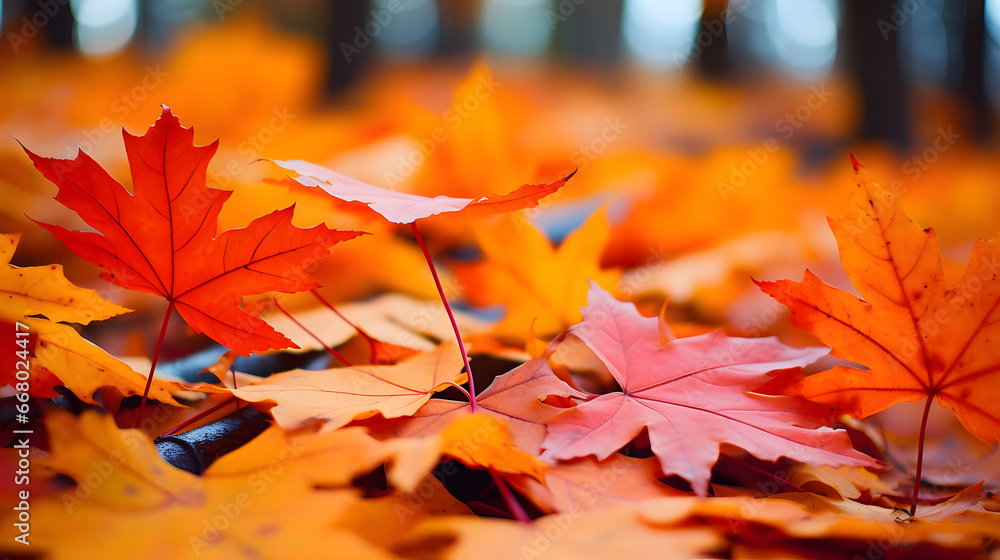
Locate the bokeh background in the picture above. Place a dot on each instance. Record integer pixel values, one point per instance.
(714, 135)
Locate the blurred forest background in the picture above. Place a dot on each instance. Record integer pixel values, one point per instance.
(695, 124)
(900, 59)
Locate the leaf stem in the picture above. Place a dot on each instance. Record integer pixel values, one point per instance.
(460, 388)
(336, 354)
(371, 341)
(451, 316)
(508, 497)
(156, 358)
(920, 454)
(334, 309)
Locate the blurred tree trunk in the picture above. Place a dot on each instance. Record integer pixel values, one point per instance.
(713, 62)
(871, 44)
(23, 21)
(459, 24)
(973, 85)
(347, 58)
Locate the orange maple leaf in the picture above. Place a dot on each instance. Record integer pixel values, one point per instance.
(917, 338)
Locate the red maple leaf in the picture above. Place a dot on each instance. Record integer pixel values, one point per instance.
(162, 240)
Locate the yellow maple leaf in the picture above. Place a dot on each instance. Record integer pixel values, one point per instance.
(534, 278)
(43, 291)
(128, 502)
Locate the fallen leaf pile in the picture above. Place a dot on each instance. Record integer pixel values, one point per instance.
(604, 382)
